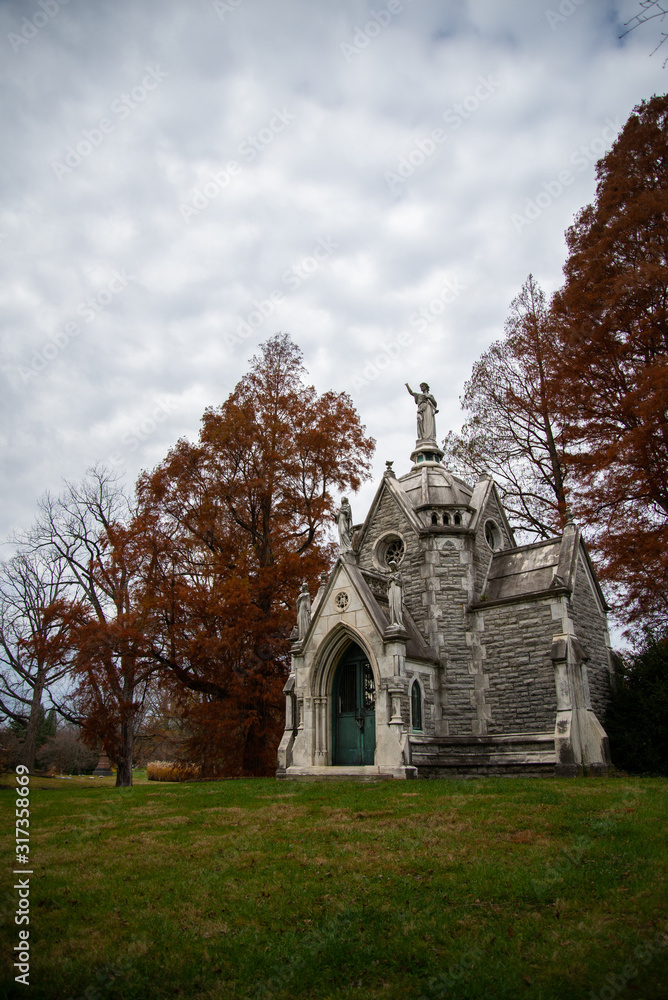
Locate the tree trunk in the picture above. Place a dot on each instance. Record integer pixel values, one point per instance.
(30, 745)
(124, 761)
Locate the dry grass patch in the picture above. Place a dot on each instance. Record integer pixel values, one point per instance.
(163, 770)
(172, 820)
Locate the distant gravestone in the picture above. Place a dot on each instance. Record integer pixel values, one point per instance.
(103, 766)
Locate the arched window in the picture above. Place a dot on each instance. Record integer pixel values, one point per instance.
(389, 548)
(416, 707)
(458, 518)
(446, 519)
(434, 518)
(493, 535)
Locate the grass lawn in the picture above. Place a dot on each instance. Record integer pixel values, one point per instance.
(493, 888)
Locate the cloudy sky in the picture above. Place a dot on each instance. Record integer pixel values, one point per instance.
(183, 178)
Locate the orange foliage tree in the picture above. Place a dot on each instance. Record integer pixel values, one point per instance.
(234, 524)
(612, 372)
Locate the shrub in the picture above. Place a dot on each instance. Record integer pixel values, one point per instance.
(11, 749)
(637, 718)
(165, 770)
(65, 754)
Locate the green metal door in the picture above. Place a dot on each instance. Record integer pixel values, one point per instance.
(354, 724)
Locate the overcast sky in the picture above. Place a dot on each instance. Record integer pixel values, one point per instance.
(184, 178)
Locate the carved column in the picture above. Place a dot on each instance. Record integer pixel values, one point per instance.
(320, 720)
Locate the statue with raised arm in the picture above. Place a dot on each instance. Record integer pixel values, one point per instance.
(426, 412)
(395, 595)
(344, 522)
(303, 611)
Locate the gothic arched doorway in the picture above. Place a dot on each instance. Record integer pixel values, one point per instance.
(354, 723)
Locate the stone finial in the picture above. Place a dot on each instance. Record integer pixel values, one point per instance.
(389, 471)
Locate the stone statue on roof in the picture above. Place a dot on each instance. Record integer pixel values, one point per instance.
(303, 611)
(344, 522)
(395, 595)
(426, 412)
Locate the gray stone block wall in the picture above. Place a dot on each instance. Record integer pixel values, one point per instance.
(517, 639)
(452, 586)
(591, 630)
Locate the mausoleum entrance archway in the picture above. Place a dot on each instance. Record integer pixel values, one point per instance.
(354, 705)
(343, 690)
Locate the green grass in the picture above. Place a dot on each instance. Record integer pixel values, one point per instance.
(495, 888)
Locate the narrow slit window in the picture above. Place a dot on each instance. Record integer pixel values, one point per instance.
(416, 707)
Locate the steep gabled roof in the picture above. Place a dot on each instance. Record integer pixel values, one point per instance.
(390, 485)
(529, 570)
(525, 570)
(376, 608)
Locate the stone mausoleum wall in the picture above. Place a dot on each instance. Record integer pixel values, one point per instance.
(592, 631)
(516, 640)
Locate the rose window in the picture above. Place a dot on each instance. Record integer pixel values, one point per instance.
(394, 551)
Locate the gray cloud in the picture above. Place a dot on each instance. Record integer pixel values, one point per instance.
(185, 90)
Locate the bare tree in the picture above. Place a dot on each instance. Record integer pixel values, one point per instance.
(649, 11)
(513, 429)
(30, 583)
(89, 532)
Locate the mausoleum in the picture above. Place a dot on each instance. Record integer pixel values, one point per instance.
(437, 646)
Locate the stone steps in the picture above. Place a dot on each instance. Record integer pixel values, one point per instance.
(462, 756)
(339, 773)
